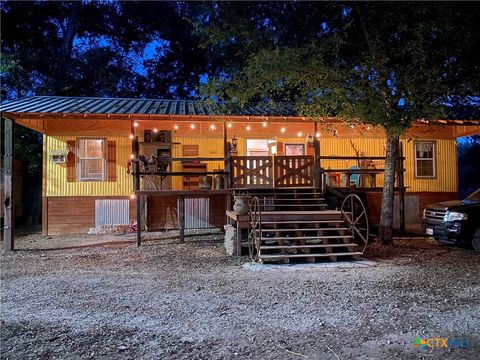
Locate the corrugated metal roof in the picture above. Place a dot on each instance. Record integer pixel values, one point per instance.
(91, 105)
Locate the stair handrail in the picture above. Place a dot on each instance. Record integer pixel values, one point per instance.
(255, 228)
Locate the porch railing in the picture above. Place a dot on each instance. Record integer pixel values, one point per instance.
(271, 171)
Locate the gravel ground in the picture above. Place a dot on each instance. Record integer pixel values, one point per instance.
(104, 298)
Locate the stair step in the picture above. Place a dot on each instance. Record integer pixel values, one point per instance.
(292, 199)
(291, 205)
(327, 237)
(314, 229)
(281, 256)
(269, 247)
(291, 222)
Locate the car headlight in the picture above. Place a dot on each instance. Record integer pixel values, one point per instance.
(455, 216)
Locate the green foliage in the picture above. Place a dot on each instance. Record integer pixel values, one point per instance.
(384, 64)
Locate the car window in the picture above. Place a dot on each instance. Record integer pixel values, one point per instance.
(474, 196)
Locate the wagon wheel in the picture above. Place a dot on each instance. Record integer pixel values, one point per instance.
(355, 215)
(255, 228)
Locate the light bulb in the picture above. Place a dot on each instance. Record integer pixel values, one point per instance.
(175, 127)
(282, 129)
(192, 126)
(248, 127)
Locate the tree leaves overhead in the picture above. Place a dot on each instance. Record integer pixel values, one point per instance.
(385, 64)
(100, 49)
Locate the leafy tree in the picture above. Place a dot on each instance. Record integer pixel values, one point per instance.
(384, 64)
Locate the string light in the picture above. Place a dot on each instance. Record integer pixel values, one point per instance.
(299, 134)
(317, 135)
(132, 156)
(175, 127)
(264, 124)
(212, 127)
(155, 130)
(282, 130)
(229, 125)
(131, 136)
(135, 124)
(248, 127)
(192, 126)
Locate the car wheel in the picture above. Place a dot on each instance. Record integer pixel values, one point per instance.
(476, 241)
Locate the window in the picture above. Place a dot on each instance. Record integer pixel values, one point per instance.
(425, 159)
(294, 149)
(91, 159)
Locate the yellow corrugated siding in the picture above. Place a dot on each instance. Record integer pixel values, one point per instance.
(56, 174)
(207, 147)
(446, 165)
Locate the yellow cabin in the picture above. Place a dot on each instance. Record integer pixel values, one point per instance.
(90, 150)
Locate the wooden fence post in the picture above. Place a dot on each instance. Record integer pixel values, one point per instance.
(8, 204)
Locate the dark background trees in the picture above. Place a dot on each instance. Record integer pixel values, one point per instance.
(385, 64)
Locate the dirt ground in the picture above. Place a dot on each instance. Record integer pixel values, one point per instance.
(104, 298)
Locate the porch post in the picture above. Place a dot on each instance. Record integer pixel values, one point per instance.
(226, 167)
(8, 205)
(401, 185)
(136, 186)
(316, 157)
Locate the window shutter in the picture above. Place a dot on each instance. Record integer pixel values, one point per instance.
(111, 161)
(71, 170)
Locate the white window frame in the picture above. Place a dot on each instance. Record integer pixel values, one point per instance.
(433, 159)
(104, 160)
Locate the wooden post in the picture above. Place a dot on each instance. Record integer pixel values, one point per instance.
(8, 205)
(136, 186)
(401, 186)
(226, 167)
(181, 217)
(316, 158)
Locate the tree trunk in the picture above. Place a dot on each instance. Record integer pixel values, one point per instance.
(385, 232)
(65, 56)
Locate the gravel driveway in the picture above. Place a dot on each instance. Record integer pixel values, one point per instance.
(190, 301)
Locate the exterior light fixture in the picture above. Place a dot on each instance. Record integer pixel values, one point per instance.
(132, 156)
(132, 196)
(248, 127)
(234, 143)
(131, 136)
(192, 126)
(175, 127)
(317, 135)
(282, 130)
(309, 140)
(229, 125)
(135, 124)
(300, 134)
(155, 130)
(212, 127)
(264, 124)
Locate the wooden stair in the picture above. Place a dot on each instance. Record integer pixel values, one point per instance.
(305, 230)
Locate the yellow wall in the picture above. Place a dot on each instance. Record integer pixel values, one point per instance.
(56, 174)
(207, 147)
(445, 181)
